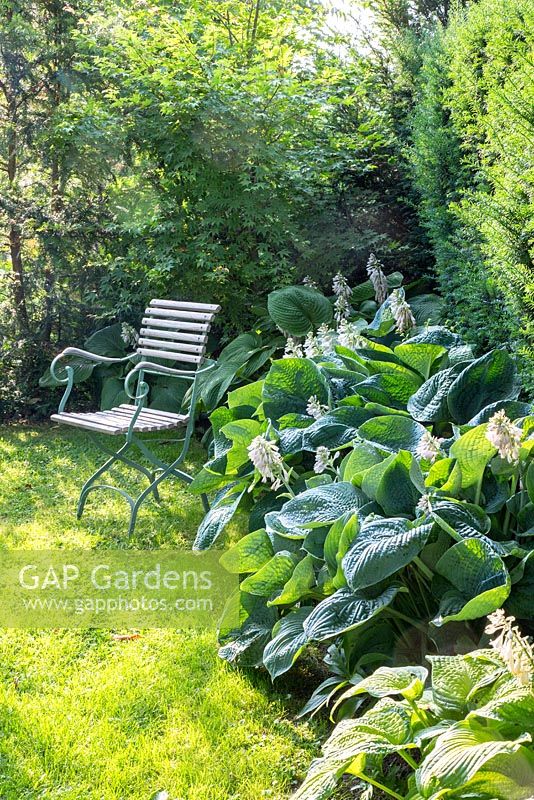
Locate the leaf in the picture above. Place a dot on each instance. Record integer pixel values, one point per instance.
(472, 452)
(421, 356)
(486, 380)
(458, 755)
(249, 395)
(409, 682)
(249, 554)
(481, 581)
(82, 370)
(337, 542)
(393, 433)
(289, 385)
(298, 585)
(454, 679)
(435, 334)
(107, 342)
(381, 548)
(214, 384)
(361, 458)
(272, 576)
(513, 409)
(429, 403)
(299, 309)
(427, 308)
(289, 639)
(321, 506)
(465, 518)
(401, 485)
(218, 517)
(509, 775)
(336, 428)
(344, 610)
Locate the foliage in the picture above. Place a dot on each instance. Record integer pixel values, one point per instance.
(423, 521)
(472, 146)
(469, 735)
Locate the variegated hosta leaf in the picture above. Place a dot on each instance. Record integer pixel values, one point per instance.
(299, 583)
(384, 729)
(509, 776)
(409, 682)
(459, 754)
(454, 679)
(272, 576)
(513, 705)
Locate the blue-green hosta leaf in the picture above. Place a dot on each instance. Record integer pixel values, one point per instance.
(245, 629)
(464, 518)
(435, 334)
(393, 433)
(513, 409)
(338, 540)
(272, 576)
(382, 547)
(365, 291)
(321, 506)
(344, 610)
(420, 357)
(401, 485)
(82, 369)
(427, 308)
(107, 342)
(472, 452)
(287, 643)
(409, 682)
(214, 384)
(275, 527)
(289, 384)
(429, 403)
(481, 581)
(336, 428)
(490, 378)
(112, 394)
(298, 585)
(412, 380)
(520, 602)
(218, 517)
(298, 309)
(249, 554)
(458, 755)
(391, 390)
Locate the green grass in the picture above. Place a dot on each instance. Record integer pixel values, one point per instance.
(85, 716)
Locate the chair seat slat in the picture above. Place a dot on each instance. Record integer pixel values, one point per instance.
(205, 307)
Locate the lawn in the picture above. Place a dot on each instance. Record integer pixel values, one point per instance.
(84, 715)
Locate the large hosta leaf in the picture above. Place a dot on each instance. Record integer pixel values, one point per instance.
(427, 308)
(455, 678)
(408, 682)
(472, 452)
(458, 755)
(393, 432)
(429, 403)
(336, 428)
(401, 484)
(271, 576)
(509, 776)
(420, 357)
(481, 581)
(298, 309)
(107, 342)
(289, 384)
(490, 378)
(289, 639)
(344, 610)
(299, 584)
(82, 370)
(218, 517)
(249, 554)
(321, 506)
(382, 547)
(464, 518)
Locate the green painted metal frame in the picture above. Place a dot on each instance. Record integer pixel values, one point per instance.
(138, 395)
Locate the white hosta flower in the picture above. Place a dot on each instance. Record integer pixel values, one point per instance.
(515, 650)
(128, 334)
(327, 338)
(267, 459)
(312, 346)
(377, 278)
(424, 506)
(349, 337)
(342, 290)
(429, 447)
(404, 319)
(323, 460)
(293, 348)
(307, 281)
(505, 436)
(316, 409)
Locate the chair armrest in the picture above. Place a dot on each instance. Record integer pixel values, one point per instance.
(159, 369)
(69, 371)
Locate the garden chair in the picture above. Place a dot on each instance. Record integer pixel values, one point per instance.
(172, 331)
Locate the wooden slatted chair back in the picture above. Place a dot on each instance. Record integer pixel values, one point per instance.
(175, 330)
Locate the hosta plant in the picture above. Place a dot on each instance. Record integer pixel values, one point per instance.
(388, 480)
(469, 735)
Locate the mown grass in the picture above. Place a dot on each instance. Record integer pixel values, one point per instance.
(83, 715)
